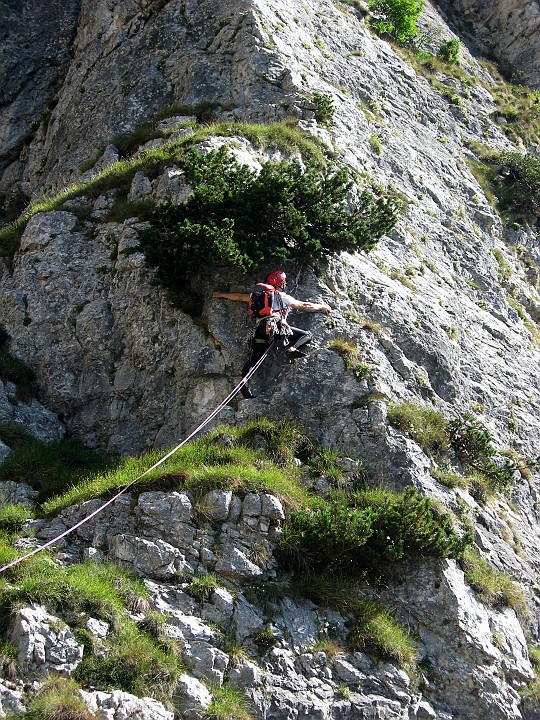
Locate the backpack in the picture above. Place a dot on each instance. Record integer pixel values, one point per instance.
(261, 301)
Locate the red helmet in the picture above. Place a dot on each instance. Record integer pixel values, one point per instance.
(277, 279)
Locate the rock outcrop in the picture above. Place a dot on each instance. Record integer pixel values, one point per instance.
(508, 30)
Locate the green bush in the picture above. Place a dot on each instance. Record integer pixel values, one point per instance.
(241, 218)
(324, 104)
(517, 182)
(396, 17)
(472, 443)
(449, 52)
(344, 537)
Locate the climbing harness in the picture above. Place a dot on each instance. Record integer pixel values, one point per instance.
(212, 415)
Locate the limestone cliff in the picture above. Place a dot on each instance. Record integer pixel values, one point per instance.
(507, 30)
(445, 311)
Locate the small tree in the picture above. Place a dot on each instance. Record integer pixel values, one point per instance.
(518, 182)
(449, 52)
(240, 218)
(396, 17)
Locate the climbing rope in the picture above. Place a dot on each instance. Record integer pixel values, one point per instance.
(205, 422)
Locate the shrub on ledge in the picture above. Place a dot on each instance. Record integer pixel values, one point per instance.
(240, 218)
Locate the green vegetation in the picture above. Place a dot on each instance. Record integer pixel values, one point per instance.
(135, 661)
(58, 699)
(356, 533)
(425, 425)
(13, 517)
(460, 440)
(350, 352)
(511, 182)
(516, 180)
(203, 586)
(396, 17)
(8, 659)
(47, 467)
(241, 218)
(375, 143)
(284, 136)
(494, 587)
(229, 703)
(472, 444)
(257, 457)
(373, 628)
(449, 52)
(324, 108)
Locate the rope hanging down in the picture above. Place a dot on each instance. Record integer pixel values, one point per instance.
(212, 415)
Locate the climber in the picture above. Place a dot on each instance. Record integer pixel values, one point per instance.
(275, 322)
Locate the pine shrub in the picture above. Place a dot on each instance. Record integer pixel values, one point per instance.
(240, 218)
(356, 535)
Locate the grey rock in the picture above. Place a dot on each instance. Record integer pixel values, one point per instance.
(119, 705)
(207, 662)
(13, 493)
(252, 505)
(11, 701)
(217, 504)
(4, 452)
(247, 620)
(194, 697)
(45, 643)
(152, 559)
(99, 628)
(43, 424)
(272, 508)
(235, 564)
(246, 674)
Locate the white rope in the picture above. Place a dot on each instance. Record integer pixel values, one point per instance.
(212, 415)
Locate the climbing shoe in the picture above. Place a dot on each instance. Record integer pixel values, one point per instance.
(294, 354)
(246, 392)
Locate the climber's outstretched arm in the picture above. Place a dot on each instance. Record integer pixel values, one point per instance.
(241, 297)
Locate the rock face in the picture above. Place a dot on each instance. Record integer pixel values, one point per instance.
(509, 30)
(445, 311)
(35, 53)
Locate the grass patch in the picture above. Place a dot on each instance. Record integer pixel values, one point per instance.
(229, 703)
(202, 587)
(493, 587)
(8, 659)
(257, 457)
(135, 660)
(461, 440)
(58, 699)
(425, 425)
(372, 627)
(350, 352)
(13, 517)
(47, 467)
(376, 631)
